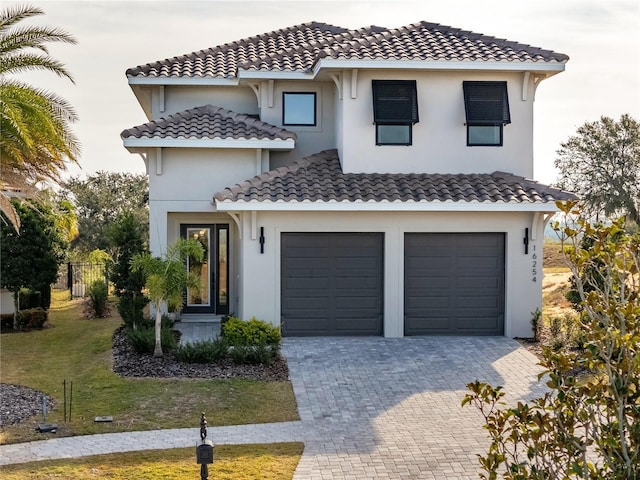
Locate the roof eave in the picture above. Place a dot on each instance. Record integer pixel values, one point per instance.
(389, 206)
(156, 142)
(550, 68)
(163, 80)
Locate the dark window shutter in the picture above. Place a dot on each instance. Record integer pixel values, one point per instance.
(395, 101)
(486, 103)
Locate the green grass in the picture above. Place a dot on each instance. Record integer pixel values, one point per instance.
(275, 461)
(79, 350)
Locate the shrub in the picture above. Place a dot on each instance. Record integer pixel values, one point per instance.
(131, 309)
(254, 332)
(254, 354)
(143, 340)
(6, 322)
(165, 322)
(33, 318)
(28, 299)
(202, 352)
(98, 296)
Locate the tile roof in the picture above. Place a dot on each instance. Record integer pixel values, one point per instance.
(319, 178)
(300, 47)
(209, 122)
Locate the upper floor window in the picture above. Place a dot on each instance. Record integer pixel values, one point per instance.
(487, 111)
(299, 108)
(395, 110)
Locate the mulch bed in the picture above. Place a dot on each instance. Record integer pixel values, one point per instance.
(128, 363)
(18, 403)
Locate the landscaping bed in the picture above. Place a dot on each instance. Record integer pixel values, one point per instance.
(128, 363)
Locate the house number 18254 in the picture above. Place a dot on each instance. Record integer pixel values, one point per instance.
(534, 265)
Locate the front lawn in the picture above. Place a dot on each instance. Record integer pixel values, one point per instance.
(79, 350)
(276, 461)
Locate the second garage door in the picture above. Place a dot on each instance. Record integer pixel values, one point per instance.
(332, 284)
(454, 284)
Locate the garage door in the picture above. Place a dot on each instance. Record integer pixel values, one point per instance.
(454, 284)
(332, 284)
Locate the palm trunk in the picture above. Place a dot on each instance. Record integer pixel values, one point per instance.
(157, 352)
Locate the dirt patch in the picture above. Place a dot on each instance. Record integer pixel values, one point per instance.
(552, 256)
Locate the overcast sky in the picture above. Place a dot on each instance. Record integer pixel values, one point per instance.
(602, 39)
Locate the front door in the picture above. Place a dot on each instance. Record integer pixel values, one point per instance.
(213, 296)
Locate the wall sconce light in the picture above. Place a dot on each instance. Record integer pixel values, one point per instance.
(261, 239)
(526, 241)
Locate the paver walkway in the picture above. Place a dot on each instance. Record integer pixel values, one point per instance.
(369, 408)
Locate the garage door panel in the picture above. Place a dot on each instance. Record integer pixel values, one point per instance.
(454, 283)
(352, 325)
(351, 267)
(478, 324)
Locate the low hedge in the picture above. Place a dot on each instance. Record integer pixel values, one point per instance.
(143, 339)
(209, 351)
(30, 319)
(250, 333)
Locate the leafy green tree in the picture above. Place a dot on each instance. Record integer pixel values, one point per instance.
(585, 427)
(127, 238)
(36, 141)
(167, 278)
(601, 164)
(30, 257)
(100, 199)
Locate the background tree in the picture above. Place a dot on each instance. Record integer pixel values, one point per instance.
(30, 257)
(36, 140)
(167, 278)
(127, 238)
(602, 165)
(586, 426)
(99, 199)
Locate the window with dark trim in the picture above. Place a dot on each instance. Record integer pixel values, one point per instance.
(395, 110)
(486, 107)
(299, 109)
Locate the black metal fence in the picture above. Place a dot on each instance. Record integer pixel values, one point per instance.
(77, 277)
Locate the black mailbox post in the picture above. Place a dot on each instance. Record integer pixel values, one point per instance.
(204, 451)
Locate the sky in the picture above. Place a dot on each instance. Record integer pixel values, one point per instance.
(602, 39)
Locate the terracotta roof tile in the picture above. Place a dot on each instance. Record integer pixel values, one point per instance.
(209, 122)
(299, 47)
(319, 178)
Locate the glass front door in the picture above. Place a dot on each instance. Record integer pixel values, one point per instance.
(213, 270)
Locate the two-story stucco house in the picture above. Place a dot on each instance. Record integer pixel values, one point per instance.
(353, 182)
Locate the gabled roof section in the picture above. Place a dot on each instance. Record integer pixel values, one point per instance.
(202, 125)
(432, 41)
(317, 182)
(303, 48)
(222, 61)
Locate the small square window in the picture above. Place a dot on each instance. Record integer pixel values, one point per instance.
(395, 110)
(486, 107)
(393, 134)
(484, 135)
(299, 108)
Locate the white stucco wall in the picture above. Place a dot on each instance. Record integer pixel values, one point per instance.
(311, 139)
(259, 274)
(188, 180)
(439, 138)
(240, 99)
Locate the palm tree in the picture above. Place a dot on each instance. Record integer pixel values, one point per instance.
(36, 140)
(167, 278)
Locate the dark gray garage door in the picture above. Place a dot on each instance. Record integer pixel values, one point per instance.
(332, 284)
(454, 284)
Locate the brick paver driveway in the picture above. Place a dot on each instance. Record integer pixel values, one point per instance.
(390, 408)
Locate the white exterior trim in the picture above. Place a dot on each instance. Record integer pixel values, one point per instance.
(182, 81)
(476, 65)
(448, 65)
(384, 206)
(147, 142)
